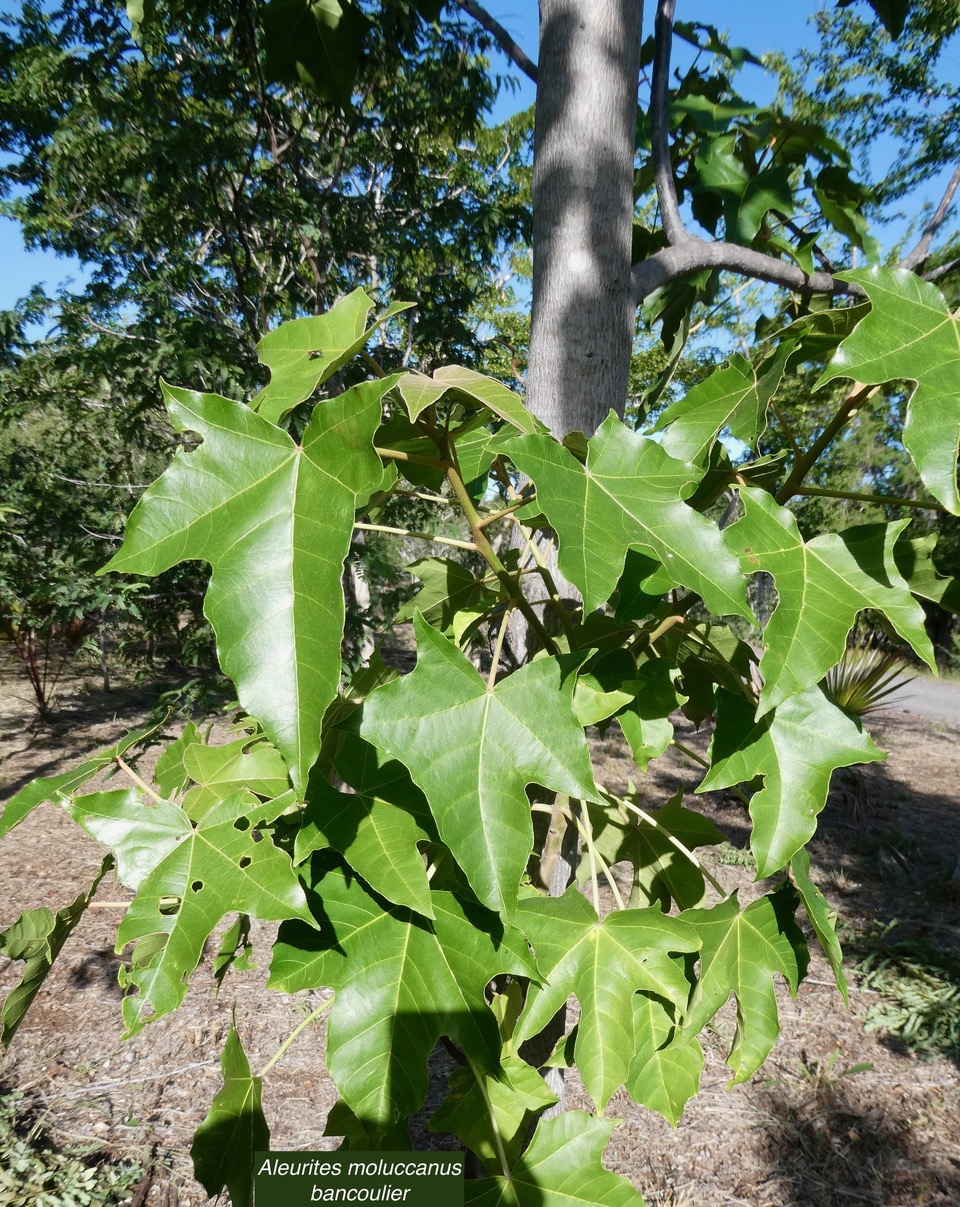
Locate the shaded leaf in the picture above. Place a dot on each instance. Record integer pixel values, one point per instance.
(741, 954)
(235, 950)
(603, 964)
(663, 1075)
(37, 937)
(474, 751)
(401, 982)
(561, 1168)
(628, 496)
(822, 585)
(822, 917)
(234, 1130)
(274, 521)
(451, 597)
(796, 749)
(910, 334)
(316, 43)
(914, 558)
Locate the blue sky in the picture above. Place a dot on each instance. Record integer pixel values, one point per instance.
(761, 27)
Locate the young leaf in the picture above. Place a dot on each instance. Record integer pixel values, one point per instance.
(170, 774)
(741, 953)
(910, 333)
(401, 983)
(561, 1168)
(629, 495)
(37, 937)
(473, 751)
(517, 1093)
(222, 865)
(51, 787)
(234, 1129)
(663, 1075)
(796, 749)
(376, 828)
(465, 385)
(822, 584)
(220, 771)
(303, 353)
(604, 964)
(274, 521)
(822, 917)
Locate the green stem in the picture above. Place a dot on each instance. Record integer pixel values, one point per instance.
(498, 649)
(494, 1125)
(691, 754)
(420, 536)
(880, 500)
(787, 429)
(293, 1035)
(395, 454)
(141, 783)
(586, 833)
(848, 408)
(548, 580)
(672, 838)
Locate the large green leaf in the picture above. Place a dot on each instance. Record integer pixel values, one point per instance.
(822, 585)
(274, 521)
(314, 43)
(664, 1074)
(603, 964)
(473, 751)
(51, 787)
(741, 954)
(561, 1168)
(37, 937)
(376, 828)
(199, 874)
(822, 917)
(234, 1130)
(796, 748)
(735, 397)
(305, 352)
(401, 982)
(467, 386)
(910, 334)
(511, 1097)
(628, 496)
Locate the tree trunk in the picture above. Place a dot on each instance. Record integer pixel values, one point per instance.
(584, 142)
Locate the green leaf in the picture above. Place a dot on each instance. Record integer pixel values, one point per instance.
(910, 334)
(663, 1075)
(892, 14)
(645, 721)
(768, 190)
(316, 43)
(741, 954)
(822, 585)
(220, 771)
(274, 520)
(842, 201)
(466, 386)
(822, 917)
(37, 937)
(561, 1168)
(628, 496)
(233, 1131)
(376, 828)
(235, 950)
(914, 558)
(513, 1096)
(451, 598)
(735, 397)
(50, 787)
(603, 964)
(401, 983)
(198, 875)
(473, 752)
(796, 748)
(170, 774)
(305, 352)
(662, 873)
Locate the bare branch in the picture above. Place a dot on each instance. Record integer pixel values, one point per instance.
(514, 52)
(942, 270)
(916, 257)
(692, 255)
(673, 226)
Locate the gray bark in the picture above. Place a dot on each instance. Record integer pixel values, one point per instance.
(584, 311)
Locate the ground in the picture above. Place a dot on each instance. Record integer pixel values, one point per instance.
(838, 1115)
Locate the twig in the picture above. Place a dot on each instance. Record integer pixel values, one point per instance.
(514, 52)
(498, 649)
(312, 1017)
(858, 395)
(141, 783)
(659, 121)
(672, 838)
(917, 256)
(882, 500)
(420, 536)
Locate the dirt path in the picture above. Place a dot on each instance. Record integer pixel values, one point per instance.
(837, 1115)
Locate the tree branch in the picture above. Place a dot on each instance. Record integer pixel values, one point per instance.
(514, 52)
(692, 255)
(916, 257)
(660, 125)
(942, 270)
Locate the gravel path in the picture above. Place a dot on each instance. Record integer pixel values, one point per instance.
(937, 699)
